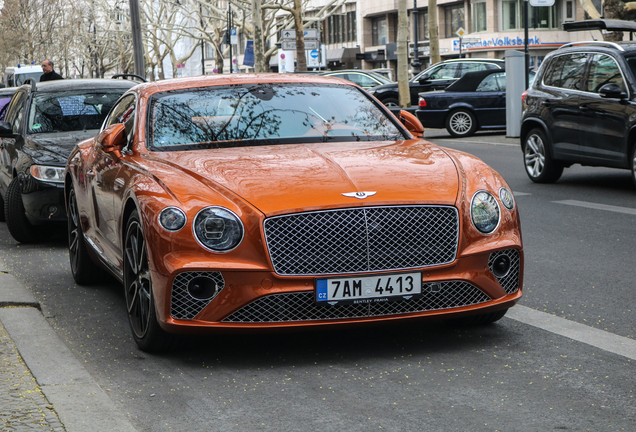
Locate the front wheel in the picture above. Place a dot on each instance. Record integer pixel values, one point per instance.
(633, 159)
(391, 102)
(540, 166)
(461, 123)
(140, 304)
(83, 269)
(15, 214)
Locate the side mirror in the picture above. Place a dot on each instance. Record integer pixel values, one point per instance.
(612, 91)
(412, 123)
(112, 139)
(6, 130)
(424, 80)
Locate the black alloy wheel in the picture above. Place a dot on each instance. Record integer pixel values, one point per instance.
(540, 166)
(140, 304)
(19, 226)
(461, 123)
(83, 269)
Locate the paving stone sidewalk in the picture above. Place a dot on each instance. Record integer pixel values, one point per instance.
(23, 406)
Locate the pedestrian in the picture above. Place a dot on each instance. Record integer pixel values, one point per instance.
(49, 74)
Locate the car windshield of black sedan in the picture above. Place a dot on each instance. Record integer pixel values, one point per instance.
(265, 114)
(71, 110)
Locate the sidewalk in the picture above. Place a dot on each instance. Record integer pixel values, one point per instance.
(42, 385)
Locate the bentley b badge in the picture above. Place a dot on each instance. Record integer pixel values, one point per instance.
(359, 195)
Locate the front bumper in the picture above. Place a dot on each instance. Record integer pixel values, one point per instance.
(264, 300)
(43, 201)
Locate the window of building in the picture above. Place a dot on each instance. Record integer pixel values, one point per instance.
(379, 31)
(351, 27)
(568, 10)
(479, 17)
(538, 17)
(340, 28)
(454, 16)
(422, 24)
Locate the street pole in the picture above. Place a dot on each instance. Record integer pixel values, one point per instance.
(202, 42)
(416, 65)
(229, 32)
(138, 50)
(527, 51)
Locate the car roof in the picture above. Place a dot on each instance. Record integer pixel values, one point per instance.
(471, 80)
(472, 59)
(626, 47)
(8, 91)
(82, 84)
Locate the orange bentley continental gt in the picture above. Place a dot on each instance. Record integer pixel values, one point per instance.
(260, 201)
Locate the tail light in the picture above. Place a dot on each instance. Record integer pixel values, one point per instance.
(422, 102)
(523, 99)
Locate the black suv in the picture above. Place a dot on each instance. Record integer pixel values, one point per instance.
(437, 77)
(581, 108)
(43, 123)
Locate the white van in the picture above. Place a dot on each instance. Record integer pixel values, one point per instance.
(16, 76)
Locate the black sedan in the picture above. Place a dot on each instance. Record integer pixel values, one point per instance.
(43, 123)
(475, 101)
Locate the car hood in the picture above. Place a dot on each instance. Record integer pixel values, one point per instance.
(54, 148)
(279, 179)
(383, 87)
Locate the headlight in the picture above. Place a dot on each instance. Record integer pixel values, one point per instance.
(218, 229)
(506, 198)
(48, 173)
(484, 211)
(172, 219)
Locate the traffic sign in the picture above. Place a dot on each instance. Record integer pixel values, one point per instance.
(311, 44)
(288, 45)
(234, 40)
(460, 32)
(314, 54)
(310, 33)
(288, 34)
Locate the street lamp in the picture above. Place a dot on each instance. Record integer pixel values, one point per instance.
(416, 65)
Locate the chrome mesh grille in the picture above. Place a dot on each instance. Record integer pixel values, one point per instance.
(300, 306)
(182, 304)
(362, 239)
(509, 282)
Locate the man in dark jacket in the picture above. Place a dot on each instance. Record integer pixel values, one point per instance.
(49, 74)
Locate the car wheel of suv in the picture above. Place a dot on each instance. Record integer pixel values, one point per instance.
(391, 102)
(83, 269)
(461, 123)
(2, 218)
(140, 304)
(19, 226)
(540, 166)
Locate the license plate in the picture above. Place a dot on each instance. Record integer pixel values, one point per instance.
(369, 289)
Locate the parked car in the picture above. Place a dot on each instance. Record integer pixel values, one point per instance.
(437, 77)
(580, 109)
(44, 121)
(16, 76)
(365, 79)
(475, 101)
(5, 97)
(268, 201)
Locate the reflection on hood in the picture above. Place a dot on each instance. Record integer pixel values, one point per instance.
(54, 148)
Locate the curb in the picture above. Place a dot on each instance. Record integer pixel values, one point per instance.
(80, 403)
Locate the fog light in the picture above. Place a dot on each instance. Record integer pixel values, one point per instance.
(501, 266)
(202, 288)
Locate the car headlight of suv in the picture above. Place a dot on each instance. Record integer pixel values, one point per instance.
(484, 212)
(47, 173)
(218, 229)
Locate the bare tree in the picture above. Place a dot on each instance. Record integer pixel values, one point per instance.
(402, 56)
(433, 31)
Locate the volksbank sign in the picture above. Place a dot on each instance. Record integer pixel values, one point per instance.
(495, 42)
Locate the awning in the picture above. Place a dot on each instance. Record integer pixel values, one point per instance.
(342, 55)
(600, 24)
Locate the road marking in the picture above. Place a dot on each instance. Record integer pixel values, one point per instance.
(602, 339)
(520, 193)
(596, 206)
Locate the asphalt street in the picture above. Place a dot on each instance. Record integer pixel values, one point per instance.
(561, 360)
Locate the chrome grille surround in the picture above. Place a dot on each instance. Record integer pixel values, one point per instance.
(300, 306)
(510, 281)
(182, 304)
(362, 239)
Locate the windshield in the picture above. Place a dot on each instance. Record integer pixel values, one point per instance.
(265, 114)
(71, 110)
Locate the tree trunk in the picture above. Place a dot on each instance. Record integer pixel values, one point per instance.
(613, 10)
(433, 32)
(301, 61)
(259, 47)
(403, 56)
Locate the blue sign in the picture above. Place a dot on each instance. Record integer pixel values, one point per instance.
(314, 53)
(233, 32)
(248, 58)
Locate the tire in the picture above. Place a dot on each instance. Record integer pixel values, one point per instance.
(540, 166)
(461, 123)
(391, 102)
(2, 218)
(633, 164)
(140, 305)
(83, 269)
(14, 213)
